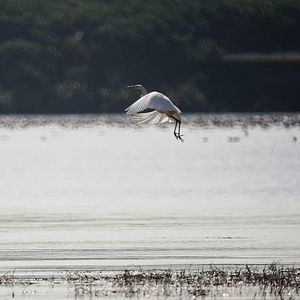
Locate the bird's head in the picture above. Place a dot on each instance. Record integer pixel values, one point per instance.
(138, 87)
(135, 86)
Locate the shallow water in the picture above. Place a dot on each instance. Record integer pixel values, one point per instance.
(94, 192)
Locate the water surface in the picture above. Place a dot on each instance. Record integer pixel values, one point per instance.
(96, 192)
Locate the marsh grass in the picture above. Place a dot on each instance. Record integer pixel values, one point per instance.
(273, 281)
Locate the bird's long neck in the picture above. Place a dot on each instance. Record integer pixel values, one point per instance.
(143, 90)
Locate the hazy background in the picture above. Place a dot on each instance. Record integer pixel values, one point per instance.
(207, 55)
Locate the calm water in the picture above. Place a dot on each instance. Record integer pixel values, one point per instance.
(98, 193)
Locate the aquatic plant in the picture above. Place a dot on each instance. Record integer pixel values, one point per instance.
(274, 280)
(277, 281)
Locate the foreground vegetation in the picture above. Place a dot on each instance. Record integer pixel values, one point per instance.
(272, 281)
(77, 56)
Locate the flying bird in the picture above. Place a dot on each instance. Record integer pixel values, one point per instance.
(163, 110)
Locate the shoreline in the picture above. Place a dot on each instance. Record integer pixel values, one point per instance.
(120, 120)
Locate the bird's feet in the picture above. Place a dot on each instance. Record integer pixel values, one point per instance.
(178, 136)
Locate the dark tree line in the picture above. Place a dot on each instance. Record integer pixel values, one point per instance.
(75, 56)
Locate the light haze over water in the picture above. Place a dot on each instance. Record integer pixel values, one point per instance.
(94, 192)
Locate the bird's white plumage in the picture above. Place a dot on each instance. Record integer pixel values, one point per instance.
(152, 117)
(163, 110)
(153, 100)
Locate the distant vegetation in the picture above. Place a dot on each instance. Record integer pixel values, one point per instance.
(78, 55)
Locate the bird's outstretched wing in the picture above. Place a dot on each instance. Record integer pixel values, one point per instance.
(141, 104)
(152, 117)
(153, 100)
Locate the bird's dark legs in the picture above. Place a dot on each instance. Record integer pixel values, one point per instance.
(177, 134)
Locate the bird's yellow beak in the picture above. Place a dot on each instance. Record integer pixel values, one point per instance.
(131, 86)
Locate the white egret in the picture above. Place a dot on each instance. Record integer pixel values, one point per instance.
(163, 109)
